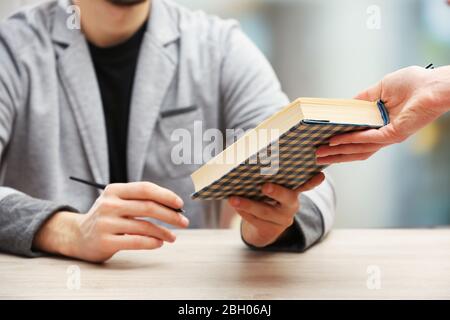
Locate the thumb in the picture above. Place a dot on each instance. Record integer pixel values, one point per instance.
(371, 94)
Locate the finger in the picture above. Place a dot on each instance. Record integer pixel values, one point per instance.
(254, 221)
(352, 148)
(371, 94)
(134, 242)
(142, 228)
(286, 197)
(381, 136)
(260, 210)
(344, 158)
(311, 183)
(151, 209)
(145, 191)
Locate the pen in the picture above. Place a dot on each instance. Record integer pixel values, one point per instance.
(103, 186)
(430, 66)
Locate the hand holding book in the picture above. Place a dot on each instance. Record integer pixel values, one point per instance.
(263, 223)
(414, 97)
(287, 157)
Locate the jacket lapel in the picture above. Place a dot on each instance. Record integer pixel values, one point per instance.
(155, 70)
(79, 82)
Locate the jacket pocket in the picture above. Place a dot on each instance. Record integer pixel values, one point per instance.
(177, 111)
(176, 140)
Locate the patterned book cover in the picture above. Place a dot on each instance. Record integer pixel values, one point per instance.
(296, 162)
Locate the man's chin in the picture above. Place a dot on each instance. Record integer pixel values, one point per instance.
(126, 2)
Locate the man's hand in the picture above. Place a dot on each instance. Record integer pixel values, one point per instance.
(414, 97)
(113, 224)
(263, 223)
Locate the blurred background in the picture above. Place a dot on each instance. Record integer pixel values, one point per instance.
(335, 49)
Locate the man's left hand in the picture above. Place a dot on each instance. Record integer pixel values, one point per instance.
(263, 223)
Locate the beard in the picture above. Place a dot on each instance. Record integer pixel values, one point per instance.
(126, 2)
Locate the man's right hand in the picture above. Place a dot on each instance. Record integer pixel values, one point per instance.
(112, 224)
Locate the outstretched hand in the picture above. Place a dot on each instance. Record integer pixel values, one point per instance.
(414, 97)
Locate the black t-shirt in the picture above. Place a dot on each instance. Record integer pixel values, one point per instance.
(115, 69)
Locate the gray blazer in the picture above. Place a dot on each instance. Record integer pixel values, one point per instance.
(52, 123)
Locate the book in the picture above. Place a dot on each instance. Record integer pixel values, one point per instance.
(282, 148)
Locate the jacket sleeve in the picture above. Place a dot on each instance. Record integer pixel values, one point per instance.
(21, 215)
(251, 92)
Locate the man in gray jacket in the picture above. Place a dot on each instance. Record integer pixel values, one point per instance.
(101, 100)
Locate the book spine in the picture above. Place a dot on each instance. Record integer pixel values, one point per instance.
(383, 111)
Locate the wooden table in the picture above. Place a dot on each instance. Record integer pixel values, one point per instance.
(214, 264)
